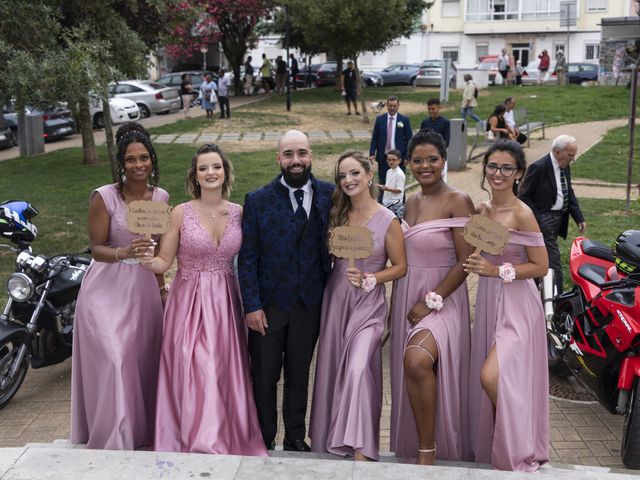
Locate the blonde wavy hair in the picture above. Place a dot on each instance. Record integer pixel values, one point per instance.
(341, 202)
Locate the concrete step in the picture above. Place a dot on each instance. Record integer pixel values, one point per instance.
(61, 459)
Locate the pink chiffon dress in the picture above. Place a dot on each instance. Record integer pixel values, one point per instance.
(510, 316)
(430, 255)
(205, 399)
(116, 344)
(347, 398)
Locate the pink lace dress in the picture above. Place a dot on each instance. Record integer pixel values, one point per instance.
(205, 399)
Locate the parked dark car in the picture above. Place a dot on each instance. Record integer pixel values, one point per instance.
(301, 77)
(401, 74)
(7, 138)
(327, 74)
(581, 73)
(57, 120)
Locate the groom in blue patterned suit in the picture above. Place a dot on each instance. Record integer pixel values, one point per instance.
(283, 266)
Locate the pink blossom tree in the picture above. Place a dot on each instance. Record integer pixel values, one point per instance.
(197, 23)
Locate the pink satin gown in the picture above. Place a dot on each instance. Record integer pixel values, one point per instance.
(510, 316)
(205, 399)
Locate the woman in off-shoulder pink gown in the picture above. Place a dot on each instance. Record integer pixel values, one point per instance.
(509, 383)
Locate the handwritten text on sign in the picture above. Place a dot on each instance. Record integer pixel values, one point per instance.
(351, 243)
(486, 235)
(148, 218)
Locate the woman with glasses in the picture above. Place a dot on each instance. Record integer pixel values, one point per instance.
(205, 400)
(430, 336)
(509, 386)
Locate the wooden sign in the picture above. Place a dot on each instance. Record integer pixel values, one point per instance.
(351, 243)
(148, 217)
(486, 235)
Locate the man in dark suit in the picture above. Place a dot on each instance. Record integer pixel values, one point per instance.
(283, 266)
(547, 190)
(391, 131)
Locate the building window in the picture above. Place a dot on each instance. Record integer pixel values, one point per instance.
(450, 8)
(592, 52)
(485, 10)
(597, 5)
(482, 49)
(451, 53)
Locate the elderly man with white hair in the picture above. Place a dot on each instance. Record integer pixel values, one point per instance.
(547, 190)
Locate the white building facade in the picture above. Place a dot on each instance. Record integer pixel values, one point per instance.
(465, 30)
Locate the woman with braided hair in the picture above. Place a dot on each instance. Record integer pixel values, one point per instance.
(118, 319)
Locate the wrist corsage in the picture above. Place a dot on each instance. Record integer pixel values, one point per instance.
(369, 282)
(433, 301)
(507, 272)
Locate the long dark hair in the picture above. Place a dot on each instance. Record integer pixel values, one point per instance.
(129, 133)
(193, 187)
(341, 201)
(512, 148)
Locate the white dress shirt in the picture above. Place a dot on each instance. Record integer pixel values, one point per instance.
(306, 200)
(557, 206)
(396, 180)
(509, 119)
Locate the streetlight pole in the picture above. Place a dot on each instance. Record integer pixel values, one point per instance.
(204, 49)
(287, 33)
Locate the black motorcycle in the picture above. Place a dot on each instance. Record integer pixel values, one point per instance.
(36, 324)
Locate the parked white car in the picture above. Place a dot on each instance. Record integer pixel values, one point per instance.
(151, 97)
(121, 109)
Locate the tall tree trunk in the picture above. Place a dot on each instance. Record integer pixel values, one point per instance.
(89, 153)
(361, 87)
(108, 133)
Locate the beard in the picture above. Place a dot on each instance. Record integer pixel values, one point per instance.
(296, 180)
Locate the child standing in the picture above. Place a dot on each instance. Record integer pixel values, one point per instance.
(519, 71)
(394, 185)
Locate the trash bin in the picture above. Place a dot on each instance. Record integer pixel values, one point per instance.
(457, 151)
(31, 134)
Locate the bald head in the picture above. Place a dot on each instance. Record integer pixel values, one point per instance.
(294, 157)
(292, 134)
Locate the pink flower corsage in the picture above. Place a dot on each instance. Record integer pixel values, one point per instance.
(433, 301)
(507, 272)
(369, 282)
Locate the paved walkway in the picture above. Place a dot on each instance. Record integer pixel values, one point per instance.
(581, 433)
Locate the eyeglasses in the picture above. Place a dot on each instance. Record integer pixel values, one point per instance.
(505, 170)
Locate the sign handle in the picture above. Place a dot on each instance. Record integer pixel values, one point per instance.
(478, 250)
(352, 262)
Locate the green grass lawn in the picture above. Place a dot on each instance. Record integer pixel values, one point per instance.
(608, 159)
(572, 104)
(605, 221)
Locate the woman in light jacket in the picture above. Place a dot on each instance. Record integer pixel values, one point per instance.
(469, 98)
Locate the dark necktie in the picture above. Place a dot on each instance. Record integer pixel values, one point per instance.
(565, 191)
(301, 213)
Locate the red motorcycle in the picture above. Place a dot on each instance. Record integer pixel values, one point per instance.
(593, 331)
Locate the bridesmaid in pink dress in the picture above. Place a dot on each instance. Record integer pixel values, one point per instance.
(347, 398)
(430, 341)
(509, 384)
(205, 401)
(118, 318)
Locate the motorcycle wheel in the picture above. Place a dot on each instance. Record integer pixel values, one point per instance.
(556, 364)
(630, 449)
(8, 351)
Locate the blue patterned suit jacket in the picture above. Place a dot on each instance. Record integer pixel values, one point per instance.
(271, 267)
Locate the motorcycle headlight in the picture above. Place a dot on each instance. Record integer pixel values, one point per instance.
(20, 287)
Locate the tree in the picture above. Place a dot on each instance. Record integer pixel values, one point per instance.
(197, 23)
(349, 29)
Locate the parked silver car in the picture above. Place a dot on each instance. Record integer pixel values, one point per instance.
(430, 73)
(151, 97)
(400, 74)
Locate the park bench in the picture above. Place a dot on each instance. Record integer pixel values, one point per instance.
(523, 122)
(525, 125)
